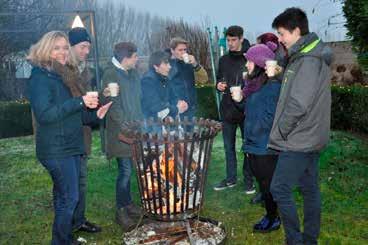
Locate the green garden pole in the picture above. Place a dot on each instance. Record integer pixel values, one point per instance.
(217, 95)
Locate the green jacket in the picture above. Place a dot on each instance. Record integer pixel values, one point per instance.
(126, 107)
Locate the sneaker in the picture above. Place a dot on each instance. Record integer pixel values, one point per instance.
(223, 185)
(89, 227)
(267, 225)
(250, 189)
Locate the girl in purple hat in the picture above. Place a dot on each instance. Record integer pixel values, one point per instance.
(259, 98)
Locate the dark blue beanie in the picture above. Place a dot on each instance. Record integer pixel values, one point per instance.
(78, 35)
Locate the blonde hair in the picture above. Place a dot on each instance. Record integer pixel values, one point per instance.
(39, 53)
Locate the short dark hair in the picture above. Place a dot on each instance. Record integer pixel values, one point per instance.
(292, 18)
(234, 31)
(158, 57)
(124, 50)
(174, 42)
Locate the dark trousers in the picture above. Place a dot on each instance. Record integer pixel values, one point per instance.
(298, 169)
(263, 167)
(123, 196)
(65, 177)
(79, 217)
(229, 137)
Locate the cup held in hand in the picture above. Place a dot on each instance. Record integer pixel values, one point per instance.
(236, 93)
(92, 93)
(186, 58)
(271, 68)
(114, 89)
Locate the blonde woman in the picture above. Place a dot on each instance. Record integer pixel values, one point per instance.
(61, 108)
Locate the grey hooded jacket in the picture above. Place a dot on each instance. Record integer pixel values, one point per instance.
(302, 119)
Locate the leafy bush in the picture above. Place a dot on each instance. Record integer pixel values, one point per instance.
(15, 119)
(206, 102)
(349, 108)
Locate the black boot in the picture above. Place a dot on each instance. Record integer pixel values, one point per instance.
(122, 218)
(134, 211)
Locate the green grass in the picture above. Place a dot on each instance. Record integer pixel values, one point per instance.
(26, 203)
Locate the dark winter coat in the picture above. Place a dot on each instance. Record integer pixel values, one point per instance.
(59, 116)
(157, 95)
(230, 69)
(125, 107)
(260, 108)
(182, 81)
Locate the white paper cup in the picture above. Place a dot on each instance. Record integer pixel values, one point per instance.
(92, 93)
(271, 67)
(186, 58)
(237, 93)
(114, 89)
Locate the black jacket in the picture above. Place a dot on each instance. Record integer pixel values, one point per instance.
(230, 69)
(182, 80)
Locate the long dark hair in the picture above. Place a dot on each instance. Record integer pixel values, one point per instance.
(258, 73)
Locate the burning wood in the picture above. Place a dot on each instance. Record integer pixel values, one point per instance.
(172, 167)
(171, 164)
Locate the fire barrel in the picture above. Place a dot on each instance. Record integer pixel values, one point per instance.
(171, 160)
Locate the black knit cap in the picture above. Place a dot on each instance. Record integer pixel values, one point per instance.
(78, 35)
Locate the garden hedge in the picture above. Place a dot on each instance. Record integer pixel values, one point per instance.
(15, 119)
(349, 111)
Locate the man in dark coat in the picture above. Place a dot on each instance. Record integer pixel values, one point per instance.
(126, 107)
(185, 72)
(80, 42)
(230, 73)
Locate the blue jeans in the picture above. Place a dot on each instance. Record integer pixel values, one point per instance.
(79, 217)
(123, 196)
(65, 175)
(229, 137)
(298, 169)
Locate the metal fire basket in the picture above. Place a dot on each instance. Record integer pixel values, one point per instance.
(171, 159)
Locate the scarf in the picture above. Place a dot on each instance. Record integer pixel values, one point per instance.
(71, 78)
(253, 85)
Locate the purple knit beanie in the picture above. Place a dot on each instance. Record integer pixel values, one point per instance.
(259, 53)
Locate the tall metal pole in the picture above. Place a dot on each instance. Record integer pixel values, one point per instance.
(217, 95)
(97, 65)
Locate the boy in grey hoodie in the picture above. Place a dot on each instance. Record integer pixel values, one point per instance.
(301, 125)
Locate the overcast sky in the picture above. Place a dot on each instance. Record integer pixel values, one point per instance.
(255, 16)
